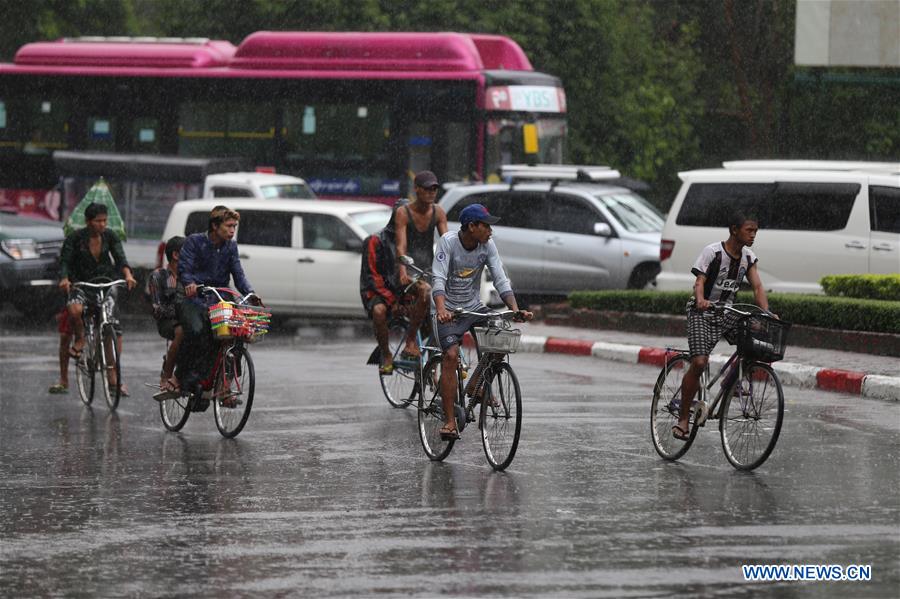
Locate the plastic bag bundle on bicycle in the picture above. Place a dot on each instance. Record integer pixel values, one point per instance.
(231, 321)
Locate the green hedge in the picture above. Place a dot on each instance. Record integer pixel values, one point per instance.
(811, 310)
(880, 287)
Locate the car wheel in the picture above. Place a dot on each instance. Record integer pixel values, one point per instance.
(644, 276)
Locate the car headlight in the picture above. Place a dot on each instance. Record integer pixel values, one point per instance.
(20, 249)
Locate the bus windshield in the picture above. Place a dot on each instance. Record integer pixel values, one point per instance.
(292, 191)
(504, 141)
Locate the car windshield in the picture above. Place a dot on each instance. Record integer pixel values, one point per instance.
(289, 191)
(371, 221)
(635, 213)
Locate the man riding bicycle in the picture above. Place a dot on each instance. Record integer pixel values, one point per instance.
(458, 263)
(90, 253)
(415, 227)
(719, 269)
(209, 259)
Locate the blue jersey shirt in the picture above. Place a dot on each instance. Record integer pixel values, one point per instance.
(204, 263)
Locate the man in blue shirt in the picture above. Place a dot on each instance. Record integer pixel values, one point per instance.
(210, 259)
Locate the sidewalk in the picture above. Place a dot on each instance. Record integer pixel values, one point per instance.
(861, 374)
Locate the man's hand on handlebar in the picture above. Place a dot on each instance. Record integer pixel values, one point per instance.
(523, 316)
(130, 281)
(703, 304)
(255, 300)
(444, 315)
(190, 289)
(66, 285)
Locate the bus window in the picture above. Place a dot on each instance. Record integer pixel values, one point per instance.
(101, 134)
(145, 135)
(48, 126)
(251, 132)
(339, 137)
(201, 129)
(9, 138)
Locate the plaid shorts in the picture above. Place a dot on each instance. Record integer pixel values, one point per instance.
(706, 328)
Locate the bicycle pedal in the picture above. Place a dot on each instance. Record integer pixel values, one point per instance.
(702, 413)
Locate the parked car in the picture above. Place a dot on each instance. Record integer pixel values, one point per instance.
(262, 186)
(566, 228)
(816, 218)
(301, 256)
(29, 264)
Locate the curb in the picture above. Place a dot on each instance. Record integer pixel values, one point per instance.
(793, 374)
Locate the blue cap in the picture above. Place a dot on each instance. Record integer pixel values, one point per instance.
(476, 213)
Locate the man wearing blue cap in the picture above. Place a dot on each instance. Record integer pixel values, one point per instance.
(458, 263)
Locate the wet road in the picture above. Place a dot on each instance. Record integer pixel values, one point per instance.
(328, 493)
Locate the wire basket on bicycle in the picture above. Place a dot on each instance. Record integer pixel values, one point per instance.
(235, 321)
(762, 337)
(497, 341)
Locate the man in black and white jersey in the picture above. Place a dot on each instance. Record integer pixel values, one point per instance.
(719, 269)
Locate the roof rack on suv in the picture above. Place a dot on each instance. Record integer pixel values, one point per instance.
(558, 172)
(814, 165)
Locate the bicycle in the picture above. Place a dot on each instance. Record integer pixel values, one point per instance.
(231, 381)
(749, 405)
(99, 333)
(401, 387)
(493, 386)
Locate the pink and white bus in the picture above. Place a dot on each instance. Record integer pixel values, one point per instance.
(355, 114)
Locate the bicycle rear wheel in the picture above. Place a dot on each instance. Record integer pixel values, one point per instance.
(234, 387)
(174, 412)
(399, 387)
(86, 367)
(431, 412)
(665, 409)
(752, 412)
(500, 419)
(109, 361)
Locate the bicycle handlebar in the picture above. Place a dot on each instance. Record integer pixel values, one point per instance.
(501, 315)
(109, 285)
(724, 307)
(216, 290)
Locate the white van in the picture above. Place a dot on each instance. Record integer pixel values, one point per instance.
(816, 218)
(301, 256)
(262, 186)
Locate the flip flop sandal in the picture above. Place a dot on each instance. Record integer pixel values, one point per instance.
(58, 388)
(386, 370)
(449, 434)
(680, 434)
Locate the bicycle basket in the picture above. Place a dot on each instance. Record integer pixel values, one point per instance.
(762, 338)
(498, 341)
(231, 321)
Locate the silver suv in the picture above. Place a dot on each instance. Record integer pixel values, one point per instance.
(565, 228)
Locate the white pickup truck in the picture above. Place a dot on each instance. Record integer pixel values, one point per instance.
(262, 186)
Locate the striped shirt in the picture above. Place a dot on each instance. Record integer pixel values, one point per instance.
(723, 271)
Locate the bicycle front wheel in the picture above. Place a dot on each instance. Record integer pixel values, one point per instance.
(665, 410)
(85, 368)
(501, 415)
(431, 412)
(109, 359)
(752, 412)
(234, 387)
(399, 387)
